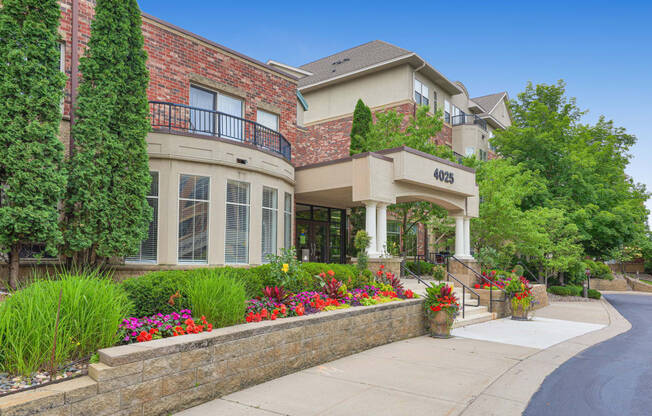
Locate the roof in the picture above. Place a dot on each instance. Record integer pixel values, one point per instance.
(349, 60)
(374, 55)
(488, 102)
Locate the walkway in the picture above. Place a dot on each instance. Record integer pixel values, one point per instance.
(422, 376)
(612, 378)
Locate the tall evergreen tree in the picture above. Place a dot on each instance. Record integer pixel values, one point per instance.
(106, 207)
(360, 126)
(32, 180)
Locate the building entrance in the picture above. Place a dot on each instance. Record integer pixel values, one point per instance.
(321, 234)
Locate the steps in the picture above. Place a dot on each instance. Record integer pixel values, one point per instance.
(472, 314)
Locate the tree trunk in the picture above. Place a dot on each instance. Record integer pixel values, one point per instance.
(14, 266)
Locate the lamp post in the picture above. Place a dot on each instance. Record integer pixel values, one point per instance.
(587, 282)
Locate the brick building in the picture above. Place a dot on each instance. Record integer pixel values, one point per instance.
(238, 171)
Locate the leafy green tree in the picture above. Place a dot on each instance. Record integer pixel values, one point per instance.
(106, 206)
(362, 121)
(32, 179)
(582, 167)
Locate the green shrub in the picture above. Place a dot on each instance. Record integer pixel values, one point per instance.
(439, 273)
(559, 290)
(422, 267)
(519, 270)
(361, 243)
(218, 295)
(576, 290)
(151, 292)
(92, 308)
(599, 270)
(346, 273)
(594, 294)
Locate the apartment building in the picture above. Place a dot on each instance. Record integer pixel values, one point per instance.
(386, 77)
(233, 175)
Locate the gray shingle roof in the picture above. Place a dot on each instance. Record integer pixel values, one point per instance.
(350, 60)
(488, 102)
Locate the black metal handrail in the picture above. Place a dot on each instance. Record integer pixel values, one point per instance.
(469, 119)
(484, 279)
(528, 270)
(464, 289)
(405, 271)
(187, 119)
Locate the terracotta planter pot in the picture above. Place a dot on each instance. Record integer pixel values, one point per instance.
(440, 325)
(520, 313)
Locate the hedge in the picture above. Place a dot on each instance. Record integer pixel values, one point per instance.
(559, 290)
(426, 268)
(166, 291)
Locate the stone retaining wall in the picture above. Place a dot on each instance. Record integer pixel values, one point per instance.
(164, 376)
(639, 286)
(502, 309)
(617, 284)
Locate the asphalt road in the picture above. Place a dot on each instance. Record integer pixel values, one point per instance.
(610, 378)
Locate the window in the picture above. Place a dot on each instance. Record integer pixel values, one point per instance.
(434, 101)
(420, 93)
(447, 111)
(482, 154)
(236, 244)
(203, 119)
(148, 247)
(470, 151)
(193, 218)
(270, 221)
(268, 120)
(394, 237)
(62, 57)
(288, 221)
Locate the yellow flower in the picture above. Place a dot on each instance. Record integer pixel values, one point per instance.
(285, 267)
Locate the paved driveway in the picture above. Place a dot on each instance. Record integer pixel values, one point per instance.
(610, 378)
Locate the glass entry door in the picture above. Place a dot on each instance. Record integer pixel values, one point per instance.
(312, 241)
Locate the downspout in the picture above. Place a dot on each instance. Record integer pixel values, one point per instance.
(74, 68)
(414, 108)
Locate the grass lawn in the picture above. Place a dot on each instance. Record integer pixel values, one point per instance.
(647, 281)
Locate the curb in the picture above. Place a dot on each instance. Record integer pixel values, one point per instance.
(511, 392)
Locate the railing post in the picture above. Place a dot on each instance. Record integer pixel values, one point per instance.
(255, 134)
(169, 117)
(463, 301)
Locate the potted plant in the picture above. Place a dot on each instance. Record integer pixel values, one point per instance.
(519, 292)
(438, 273)
(442, 307)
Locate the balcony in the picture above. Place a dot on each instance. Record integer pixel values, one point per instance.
(181, 118)
(469, 119)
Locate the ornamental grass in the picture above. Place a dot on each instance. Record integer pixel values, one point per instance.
(92, 307)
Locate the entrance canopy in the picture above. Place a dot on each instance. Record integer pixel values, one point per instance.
(377, 179)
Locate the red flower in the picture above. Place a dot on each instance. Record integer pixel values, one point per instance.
(331, 273)
(382, 266)
(273, 318)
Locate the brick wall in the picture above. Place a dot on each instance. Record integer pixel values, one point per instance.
(177, 58)
(164, 376)
(330, 140)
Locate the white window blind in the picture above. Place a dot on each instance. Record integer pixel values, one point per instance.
(268, 120)
(193, 218)
(236, 244)
(270, 222)
(149, 247)
(447, 111)
(421, 93)
(288, 221)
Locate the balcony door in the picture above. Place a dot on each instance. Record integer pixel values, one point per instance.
(204, 103)
(231, 126)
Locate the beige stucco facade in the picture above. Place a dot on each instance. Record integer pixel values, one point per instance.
(376, 89)
(221, 160)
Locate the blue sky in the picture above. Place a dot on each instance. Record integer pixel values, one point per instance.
(602, 49)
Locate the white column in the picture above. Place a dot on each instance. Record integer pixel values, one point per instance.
(467, 237)
(370, 227)
(381, 229)
(459, 237)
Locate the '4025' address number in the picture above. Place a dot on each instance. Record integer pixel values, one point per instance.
(444, 176)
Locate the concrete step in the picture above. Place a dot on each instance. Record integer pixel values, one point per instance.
(473, 319)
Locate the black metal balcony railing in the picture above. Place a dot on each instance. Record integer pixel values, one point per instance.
(469, 119)
(186, 119)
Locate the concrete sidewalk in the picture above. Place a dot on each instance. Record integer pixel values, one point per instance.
(425, 376)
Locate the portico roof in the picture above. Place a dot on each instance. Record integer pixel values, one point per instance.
(389, 176)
